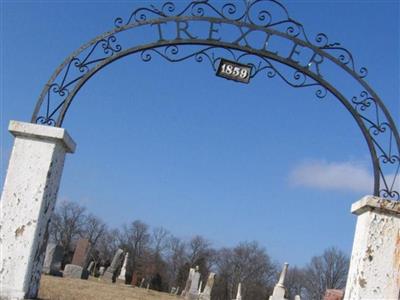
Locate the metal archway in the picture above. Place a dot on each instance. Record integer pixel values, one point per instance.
(256, 33)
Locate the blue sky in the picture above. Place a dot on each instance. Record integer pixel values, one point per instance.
(175, 146)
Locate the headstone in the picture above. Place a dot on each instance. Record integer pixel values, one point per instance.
(121, 276)
(195, 283)
(142, 283)
(90, 267)
(194, 286)
(134, 279)
(200, 286)
(73, 271)
(176, 291)
(110, 273)
(173, 289)
(77, 268)
(297, 297)
(206, 294)
(101, 270)
(334, 294)
(81, 253)
(239, 292)
(53, 259)
(185, 291)
(279, 289)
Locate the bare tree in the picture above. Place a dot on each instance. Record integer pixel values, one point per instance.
(294, 282)
(67, 225)
(93, 229)
(176, 259)
(328, 271)
(249, 264)
(183, 256)
(165, 260)
(160, 240)
(135, 239)
(106, 247)
(197, 247)
(200, 254)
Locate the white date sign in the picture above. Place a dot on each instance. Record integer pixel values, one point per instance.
(234, 71)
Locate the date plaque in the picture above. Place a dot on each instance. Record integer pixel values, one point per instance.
(234, 71)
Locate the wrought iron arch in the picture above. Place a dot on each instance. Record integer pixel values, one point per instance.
(259, 33)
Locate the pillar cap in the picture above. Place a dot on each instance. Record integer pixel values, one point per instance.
(42, 132)
(373, 203)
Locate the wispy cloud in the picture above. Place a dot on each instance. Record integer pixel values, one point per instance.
(349, 176)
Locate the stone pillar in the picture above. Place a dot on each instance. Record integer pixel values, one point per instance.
(375, 260)
(27, 203)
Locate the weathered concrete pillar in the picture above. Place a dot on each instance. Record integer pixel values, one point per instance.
(27, 203)
(375, 260)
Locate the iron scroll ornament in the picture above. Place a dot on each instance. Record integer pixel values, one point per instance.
(258, 33)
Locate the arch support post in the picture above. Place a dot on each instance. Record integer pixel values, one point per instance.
(375, 261)
(27, 203)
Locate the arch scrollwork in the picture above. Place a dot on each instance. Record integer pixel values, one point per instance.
(261, 35)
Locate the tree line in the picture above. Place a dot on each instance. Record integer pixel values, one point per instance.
(164, 260)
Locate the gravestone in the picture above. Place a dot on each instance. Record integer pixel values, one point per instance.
(239, 292)
(134, 279)
(90, 267)
(279, 289)
(194, 285)
(81, 253)
(188, 282)
(176, 291)
(142, 283)
(332, 294)
(110, 273)
(121, 276)
(77, 267)
(53, 259)
(206, 294)
(74, 271)
(200, 286)
(101, 270)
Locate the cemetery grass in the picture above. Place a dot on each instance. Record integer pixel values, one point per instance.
(58, 288)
